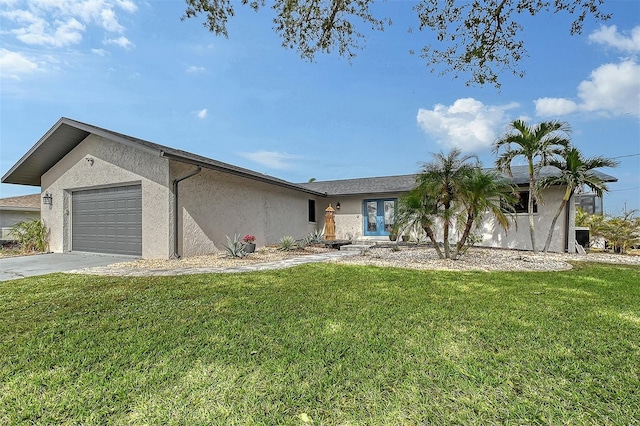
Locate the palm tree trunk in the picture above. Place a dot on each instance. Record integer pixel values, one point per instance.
(465, 235)
(447, 250)
(447, 224)
(532, 231)
(565, 199)
(429, 232)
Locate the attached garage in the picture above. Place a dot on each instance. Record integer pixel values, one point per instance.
(107, 220)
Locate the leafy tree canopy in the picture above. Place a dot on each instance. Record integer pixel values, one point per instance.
(482, 38)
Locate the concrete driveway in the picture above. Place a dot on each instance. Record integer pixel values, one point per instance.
(40, 264)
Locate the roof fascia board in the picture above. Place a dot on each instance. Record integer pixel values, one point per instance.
(239, 173)
(22, 209)
(108, 135)
(366, 194)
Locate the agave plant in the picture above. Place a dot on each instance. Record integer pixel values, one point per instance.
(287, 243)
(235, 247)
(315, 237)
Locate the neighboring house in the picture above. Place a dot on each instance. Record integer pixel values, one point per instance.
(15, 210)
(113, 193)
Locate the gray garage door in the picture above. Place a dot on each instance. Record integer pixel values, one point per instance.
(107, 220)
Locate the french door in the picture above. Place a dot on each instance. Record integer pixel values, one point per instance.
(379, 216)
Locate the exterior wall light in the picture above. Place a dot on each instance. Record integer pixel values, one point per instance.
(338, 206)
(47, 198)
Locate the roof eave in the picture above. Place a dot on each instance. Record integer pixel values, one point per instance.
(14, 177)
(20, 209)
(240, 173)
(29, 153)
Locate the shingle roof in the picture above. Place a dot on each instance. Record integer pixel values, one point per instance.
(372, 185)
(404, 183)
(26, 202)
(520, 174)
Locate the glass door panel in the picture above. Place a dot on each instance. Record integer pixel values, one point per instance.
(379, 216)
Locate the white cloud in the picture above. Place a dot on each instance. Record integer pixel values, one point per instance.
(554, 106)
(57, 23)
(468, 124)
(194, 69)
(66, 33)
(202, 114)
(127, 5)
(100, 52)
(611, 88)
(14, 64)
(110, 21)
(609, 36)
(614, 88)
(271, 159)
(121, 41)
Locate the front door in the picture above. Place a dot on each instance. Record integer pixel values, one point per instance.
(379, 216)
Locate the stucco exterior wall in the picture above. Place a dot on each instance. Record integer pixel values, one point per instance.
(114, 164)
(349, 220)
(350, 223)
(213, 205)
(517, 237)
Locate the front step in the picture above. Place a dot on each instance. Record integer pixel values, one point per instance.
(356, 247)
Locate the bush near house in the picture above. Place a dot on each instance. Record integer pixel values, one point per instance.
(621, 233)
(31, 235)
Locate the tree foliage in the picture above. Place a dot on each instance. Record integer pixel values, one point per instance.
(621, 232)
(576, 171)
(482, 38)
(454, 191)
(538, 144)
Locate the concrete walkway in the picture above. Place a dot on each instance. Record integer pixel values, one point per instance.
(267, 266)
(12, 268)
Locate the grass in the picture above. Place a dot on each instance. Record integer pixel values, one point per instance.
(323, 344)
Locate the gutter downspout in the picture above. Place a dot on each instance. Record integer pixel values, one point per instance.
(175, 210)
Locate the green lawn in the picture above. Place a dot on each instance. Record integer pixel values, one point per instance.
(324, 343)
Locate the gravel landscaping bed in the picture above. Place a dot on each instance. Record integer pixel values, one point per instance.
(220, 260)
(480, 259)
(413, 257)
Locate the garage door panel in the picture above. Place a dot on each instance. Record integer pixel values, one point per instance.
(108, 220)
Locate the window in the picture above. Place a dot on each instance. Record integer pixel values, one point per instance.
(312, 210)
(522, 204)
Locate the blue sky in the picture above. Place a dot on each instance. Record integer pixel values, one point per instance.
(136, 68)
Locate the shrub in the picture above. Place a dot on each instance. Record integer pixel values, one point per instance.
(287, 243)
(620, 232)
(31, 235)
(315, 237)
(303, 243)
(235, 247)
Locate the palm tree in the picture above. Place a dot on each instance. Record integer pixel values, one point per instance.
(485, 192)
(575, 172)
(417, 209)
(440, 181)
(538, 144)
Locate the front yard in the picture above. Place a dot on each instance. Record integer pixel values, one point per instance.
(324, 344)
